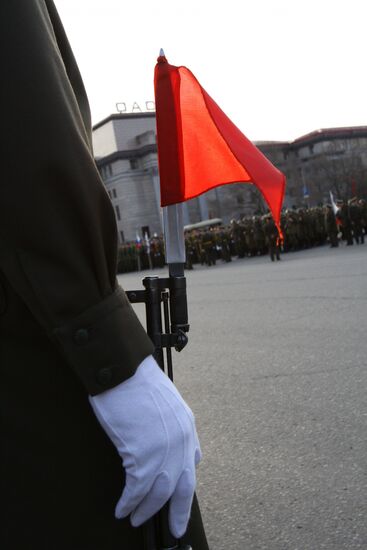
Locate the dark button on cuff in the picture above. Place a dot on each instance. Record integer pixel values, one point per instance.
(81, 336)
(104, 376)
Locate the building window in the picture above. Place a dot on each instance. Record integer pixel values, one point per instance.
(118, 215)
(134, 164)
(114, 193)
(122, 237)
(106, 171)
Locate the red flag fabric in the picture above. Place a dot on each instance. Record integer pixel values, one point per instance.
(199, 148)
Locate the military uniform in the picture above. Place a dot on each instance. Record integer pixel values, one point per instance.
(157, 251)
(355, 214)
(363, 206)
(331, 227)
(223, 244)
(291, 232)
(208, 246)
(259, 236)
(189, 252)
(238, 238)
(66, 329)
(272, 238)
(345, 221)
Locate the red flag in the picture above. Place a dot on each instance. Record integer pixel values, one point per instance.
(199, 148)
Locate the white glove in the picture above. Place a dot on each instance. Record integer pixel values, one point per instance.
(154, 432)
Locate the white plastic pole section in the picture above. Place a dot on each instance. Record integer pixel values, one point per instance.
(174, 238)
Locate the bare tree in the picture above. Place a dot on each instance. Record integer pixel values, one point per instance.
(336, 169)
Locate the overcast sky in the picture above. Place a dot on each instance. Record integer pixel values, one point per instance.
(278, 68)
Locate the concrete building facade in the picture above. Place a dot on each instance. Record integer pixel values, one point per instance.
(126, 154)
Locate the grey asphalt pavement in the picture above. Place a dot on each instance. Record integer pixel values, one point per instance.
(276, 374)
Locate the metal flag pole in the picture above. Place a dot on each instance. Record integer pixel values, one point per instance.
(165, 300)
(166, 331)
(174, 239)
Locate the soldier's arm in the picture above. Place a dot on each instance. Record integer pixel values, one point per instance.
(58, 242)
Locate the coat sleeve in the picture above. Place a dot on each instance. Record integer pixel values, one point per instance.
(58, 238)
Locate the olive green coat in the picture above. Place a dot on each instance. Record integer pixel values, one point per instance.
(66, 329)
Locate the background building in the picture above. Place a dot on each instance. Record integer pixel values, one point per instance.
(126, 154)
(331, 159)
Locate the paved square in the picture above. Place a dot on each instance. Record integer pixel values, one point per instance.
(276, 373)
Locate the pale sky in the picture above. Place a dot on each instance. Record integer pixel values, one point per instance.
(278, 68)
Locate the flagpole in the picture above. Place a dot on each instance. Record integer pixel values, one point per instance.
(176, 323)
(173, 222)
(173, 227)
(171, 293)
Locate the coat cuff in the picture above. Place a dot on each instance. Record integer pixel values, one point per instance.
(105, 344)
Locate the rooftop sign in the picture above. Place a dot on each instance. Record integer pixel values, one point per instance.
(135, 107)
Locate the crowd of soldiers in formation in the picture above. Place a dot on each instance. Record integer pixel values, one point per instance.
(257, 235)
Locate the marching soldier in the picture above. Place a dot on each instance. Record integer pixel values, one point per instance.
(345, 222)
(190, 252)
(208, 246)
(238, 237)
(272, 238)
(355, 215)
(157, 251)
(223, 242)
(259, 235)
(249, 233)
(290, 231)
(363, 206)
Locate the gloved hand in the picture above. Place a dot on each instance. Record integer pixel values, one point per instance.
(154, 432)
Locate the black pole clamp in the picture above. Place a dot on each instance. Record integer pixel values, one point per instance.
(152, 297)
(169, 294)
